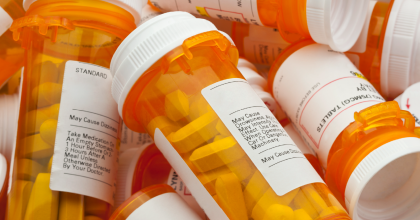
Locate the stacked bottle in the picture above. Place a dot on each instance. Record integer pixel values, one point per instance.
(65, 161)
(188, 94)
(11, 54)
(335, 23)
(371, 156)
(387, 48)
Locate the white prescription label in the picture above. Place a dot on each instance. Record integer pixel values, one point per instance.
(261, 136)
(202, 196)
(410, 101)
(263, 44)
(176, 183)
(320, 89)
(85, 157)
(231, 10)
(5, 21)
(131, 139)
(163, 207)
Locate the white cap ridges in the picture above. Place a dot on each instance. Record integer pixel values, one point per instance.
(400, 64)
(337, 23)
(9, 113)
(147, 44)
(132, 6)
(249, 71)
(3, 171)
(384, 185)
(126, 167)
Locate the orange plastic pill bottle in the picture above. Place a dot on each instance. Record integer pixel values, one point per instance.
(11, 54)
(335, 23)
(155, 202)
(367, 146)
(145, 166)
(175, 77)
(65, 162)
(388, 46)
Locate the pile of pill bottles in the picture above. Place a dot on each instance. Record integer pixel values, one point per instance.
(11, 54)
(66, 154)
(362, 141)
(170, 93)
(387, 49)
(155, 202)
(335, 23)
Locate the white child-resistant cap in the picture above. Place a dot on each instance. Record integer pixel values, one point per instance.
(250, 73)
(400, 64)
(126, 167)
(9, 113)
(147, 44)
(385, 184)
(337, 23)
(3, 171)
(132, 6)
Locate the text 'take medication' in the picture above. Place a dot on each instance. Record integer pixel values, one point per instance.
(388, 48)
(336, 23)
(371, 157)
(175, 76)
(11, 54)
(65, 162)
(155, 202)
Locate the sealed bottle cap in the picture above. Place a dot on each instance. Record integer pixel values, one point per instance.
(337, 23)
(3, 171)
(401, 48)
(249, 71)
(155, 202)
(132, 6)
(385, 183)
(9, 113)
(147, 44)
(126, 168)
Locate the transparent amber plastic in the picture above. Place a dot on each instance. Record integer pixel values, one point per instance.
(369, 61)
(11, 54)
(53, 32)
(168, 96)
(138, 199)
(372, 128)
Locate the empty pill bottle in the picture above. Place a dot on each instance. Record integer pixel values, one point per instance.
(388, 46)
(258, 44)
(9, 113)
(367, 146)
(335, 23)
(410, 101)
(65, 161)
(146, 166)
(4, 176)
(155, 202)
(11, 54)
(211, 126)
(259, 84)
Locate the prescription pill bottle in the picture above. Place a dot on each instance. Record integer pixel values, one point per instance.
(65, 162)
(214, 130)
(259, 84)
(11, 54)
(371, 156)
(336, 23)
(388, 46)
(155, 202)
(9, 113)
(258, 44)
(146, 166)
(410, 101)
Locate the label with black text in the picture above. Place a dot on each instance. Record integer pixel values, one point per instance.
(86, 147)
(260, 135)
